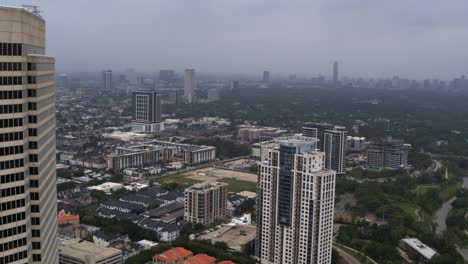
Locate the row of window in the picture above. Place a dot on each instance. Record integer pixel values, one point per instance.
(11, 80)
(13, 177)
(11, 66)
(11, 109)
(18, 66)
(11, 49)
(13, 244)
(12, 136)
(11, 122)
(12, 218)
(11, 191)
(10, 164)
(12, 231)
(12, 205)
(10, 94)
(11, 150)
(14, 257)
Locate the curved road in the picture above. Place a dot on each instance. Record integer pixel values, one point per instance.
(347, 258)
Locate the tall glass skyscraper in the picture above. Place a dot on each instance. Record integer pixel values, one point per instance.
(28, 199)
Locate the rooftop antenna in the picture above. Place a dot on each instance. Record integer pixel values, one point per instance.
(33, 9)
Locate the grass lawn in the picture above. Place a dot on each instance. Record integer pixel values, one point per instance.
(424, 218)
(448, 191)
(422, 189)
(234, 185)
(239, 186)
(180, 179)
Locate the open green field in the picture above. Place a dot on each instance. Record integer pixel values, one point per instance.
(183, 182)
(239, 186)
(180, 179)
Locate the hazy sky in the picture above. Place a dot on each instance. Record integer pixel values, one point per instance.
(369, 38)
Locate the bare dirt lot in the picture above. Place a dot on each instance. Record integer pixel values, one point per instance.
(214, 174)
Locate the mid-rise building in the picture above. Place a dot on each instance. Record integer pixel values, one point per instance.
(356, 143)
(295, 203)
(27, 133)
(77, 251)
(146, 111)
(107, 83)
(332, 141)
(206, 203)
(387, 153)
(152, 152)
(190, 85)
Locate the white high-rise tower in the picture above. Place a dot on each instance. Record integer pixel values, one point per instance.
(295, 201)
(27, 141)
(190, 85)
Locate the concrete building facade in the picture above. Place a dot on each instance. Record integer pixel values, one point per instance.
(295, 203)
(206, 203)
(27, 141)
(387, 153)
(78, 251)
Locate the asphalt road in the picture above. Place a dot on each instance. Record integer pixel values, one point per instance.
(347, 258)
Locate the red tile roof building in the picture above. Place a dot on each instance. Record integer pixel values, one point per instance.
(226, 262)
(172, 256)
(64, 218)
(199, 259)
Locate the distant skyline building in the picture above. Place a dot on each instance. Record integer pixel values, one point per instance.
(235, 85)
(332, 141)
(335, 72)
(27, 166)
(295, 204)
(64, 81)
(206, 203)
(266, 76)
(146, 111)
(107, 80)
(190, 85)
(167, 75)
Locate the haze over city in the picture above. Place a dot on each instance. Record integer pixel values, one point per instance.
(412, 39)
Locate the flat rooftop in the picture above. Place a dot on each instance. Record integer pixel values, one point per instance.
(83, 249)
(234, 236)
(420, 247)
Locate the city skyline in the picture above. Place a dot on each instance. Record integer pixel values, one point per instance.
(388, 39)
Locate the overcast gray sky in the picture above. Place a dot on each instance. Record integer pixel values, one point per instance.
(369, 38)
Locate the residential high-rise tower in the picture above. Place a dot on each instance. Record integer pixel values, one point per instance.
(190, 85)
(332, 141)
(27, 141)
(295, 201)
